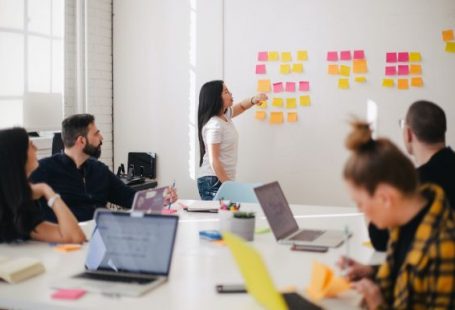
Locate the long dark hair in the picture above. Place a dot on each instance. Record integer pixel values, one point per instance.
(15, 191)
(210, 104)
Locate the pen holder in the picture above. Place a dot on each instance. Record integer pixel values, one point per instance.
(242, 224)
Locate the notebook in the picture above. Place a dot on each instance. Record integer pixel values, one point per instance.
(283, 224)
(17, 269)
(128, 254)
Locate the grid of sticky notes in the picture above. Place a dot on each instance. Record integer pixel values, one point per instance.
(286, 92)
(448, 38)
(403, 70)
(346, 64)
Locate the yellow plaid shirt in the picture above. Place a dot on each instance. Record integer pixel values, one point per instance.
(426, 279)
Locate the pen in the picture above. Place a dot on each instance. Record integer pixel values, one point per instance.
(346, 240)
(170, 203)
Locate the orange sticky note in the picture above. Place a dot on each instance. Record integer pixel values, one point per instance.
(450, 47)
(292, 117)
(285, 68)
(286, 57)
(264, 86)
(274, 56)
(291, 103)
(388, 83)
(302, 55)
(360, 79)
(332, 69)
(447, 35)
(403, 84)
(417, 82)
(324, 282)
(415, 57)
(67, 247)
(415, 69)
(359, 66)
(345, 70)
(277, 102)
(305, 101)
(343, 83)
(297, 68)
(261, 115)
(276, 117)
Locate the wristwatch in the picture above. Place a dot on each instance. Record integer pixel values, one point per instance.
(52, 200)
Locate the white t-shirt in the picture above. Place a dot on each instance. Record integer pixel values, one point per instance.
(223, 132)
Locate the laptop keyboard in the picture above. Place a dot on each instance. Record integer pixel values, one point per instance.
(114, 278)
(307, 235)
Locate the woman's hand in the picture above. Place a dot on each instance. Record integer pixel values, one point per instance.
(170, 196)
(370, 291)
(41, 190)
(259, 98)
(354, 270)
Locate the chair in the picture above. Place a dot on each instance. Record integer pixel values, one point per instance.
(237, 192)
(57, 143)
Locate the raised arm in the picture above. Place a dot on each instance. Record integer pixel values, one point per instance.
(245, 104)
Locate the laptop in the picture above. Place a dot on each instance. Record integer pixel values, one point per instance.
(258, 280)
(285, 227)
(129, 254)
(149, 200)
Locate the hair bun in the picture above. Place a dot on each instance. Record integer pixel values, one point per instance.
(360, 135)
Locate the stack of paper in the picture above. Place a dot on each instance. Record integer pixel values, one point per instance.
(324, 283)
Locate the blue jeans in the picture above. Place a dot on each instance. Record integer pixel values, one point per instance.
(208, 186)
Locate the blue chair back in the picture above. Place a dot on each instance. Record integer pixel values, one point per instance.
(237, 192)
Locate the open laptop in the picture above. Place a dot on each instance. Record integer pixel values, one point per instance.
(128, 254)
(258, 280)
(283, 224)
(149, 200)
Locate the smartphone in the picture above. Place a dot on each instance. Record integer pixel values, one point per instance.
(230, 288)
(309, 248)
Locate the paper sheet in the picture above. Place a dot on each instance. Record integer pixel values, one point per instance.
(388, 83)
(291, 103)
(304, 86)
(332, 56)
(359, 54)
(292, 117)
(345, 55)
(286, 56)
(290, 87)
(391, 57)
(264, 86)
(262, 56)
(302, 55)
(261, 115)
(403, 57)
(447, 35)
(403, 84)
(277, 87)
(415, 69)
(273, 56)
(285, 68)
(390, 70)
(417, 82)
(345, 70)
(305, 101)
(276, 117)
(359, 66)
(260, 69)
(332, 69)
(297, 68)
(324, 282)
(415, 57)
(343, 83)
(450, 47)
(277, 102)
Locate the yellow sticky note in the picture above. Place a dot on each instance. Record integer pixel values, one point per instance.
(332, 69)
(415, 57)
(360, 79)
(297, 68)
(264, 86)
(302, 55)
(343, 83)
(359, 66)
(415, 69)
(277, 102)
(305, 101)
(324, 282)
(417, 82)
(276, 117)
(292, 117)
(403, 84)
(261, 115)
(345, 70)
(447, 35)
(263, 105)
(274, 56)
(450, 47)
(286, 57)
(291, 103)
(388, 83)
(285, 68)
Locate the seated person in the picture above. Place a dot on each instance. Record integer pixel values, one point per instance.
(424, 131)
(418, 272)
(84, 183)
(20, 217)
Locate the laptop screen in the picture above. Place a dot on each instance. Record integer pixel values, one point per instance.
(149, 200)
(132, 242)
(276, 209)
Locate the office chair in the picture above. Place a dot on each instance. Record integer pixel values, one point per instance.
(237, 192)
(57, 143)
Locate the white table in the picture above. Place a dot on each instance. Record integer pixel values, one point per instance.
(197, 266)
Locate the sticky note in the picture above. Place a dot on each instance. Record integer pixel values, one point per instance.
(447, 35)
(277, 87)
(291, 103)
(71, 294)
(332, 56)
(403, 57)
(450, 47)
(403, 70)
(286, 57)
(388, 83)
(273, 56)
(332, 69)
(302, 55)
(345, 55)
(261, 115)
(292, 117)
(297, 68)
(285, 69)
(277, 102)
(260, 69)
(345, 70)
(391, 57)
(305, 101)
(343, 83)
(360, 79)
(67, 247)
(403, 84)
(390, 70)
(415, 57)
(276, 117)
(263, 56)
(324, 282)
(263, 105)
(290, 87)
(359, 54)
(264, 86)
(417, 82)
(359, 66)
(415, 69)
(304, 86)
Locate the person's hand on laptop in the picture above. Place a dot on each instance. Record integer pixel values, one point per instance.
(354, 270)
(170, 196)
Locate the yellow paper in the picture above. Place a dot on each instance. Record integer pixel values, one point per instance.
(343, 83)
(447, 35)
(297, 68)
(415, 69)
(450, 47)
(324, 283)
(345, 70)
(359, 66)
(302, 55)
(403, 84)
(286, 57)
(67, 247)
(388, 83)
(264, 86)
(273, 56)
(285, 68)
(263, 105)
(291, 103)
(305, 101)
(417, 82)
(415, 57)
(260, 115)
(292, 117)
(360, 79)
(332, 69)
(277, 102)
(276, 117)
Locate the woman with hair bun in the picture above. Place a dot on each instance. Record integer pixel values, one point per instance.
(419, 271)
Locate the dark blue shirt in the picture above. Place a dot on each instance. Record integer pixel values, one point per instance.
(85, 189)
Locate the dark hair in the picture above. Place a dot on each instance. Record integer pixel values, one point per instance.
(15, 191)
(428, 121)
(210, 104)
(377, 161)
(74, 126)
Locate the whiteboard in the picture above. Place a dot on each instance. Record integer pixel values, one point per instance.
(307, 157)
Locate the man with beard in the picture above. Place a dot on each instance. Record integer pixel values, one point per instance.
(83, 182)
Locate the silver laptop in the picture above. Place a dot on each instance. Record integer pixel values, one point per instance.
(128, 254)
(283, 224)
(149, 200)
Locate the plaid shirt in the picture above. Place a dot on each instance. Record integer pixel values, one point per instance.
(426, 279)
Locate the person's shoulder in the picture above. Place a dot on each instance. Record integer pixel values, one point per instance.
(97, 164)
(214, 122)
(52, 160)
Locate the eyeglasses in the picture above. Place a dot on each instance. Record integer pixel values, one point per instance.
(401, 123)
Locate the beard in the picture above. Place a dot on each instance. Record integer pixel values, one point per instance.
(93, 151)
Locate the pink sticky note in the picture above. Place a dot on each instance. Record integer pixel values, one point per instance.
(68, 294)
(263, 56)
(168, 211)
(345, 55)
(359, 54)
(391, 57)
(277, 87)
(304, 86)
(403, 57)
(403, 70)
(290, 86)
(260, 69)
(332, 56)
(390, 70)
